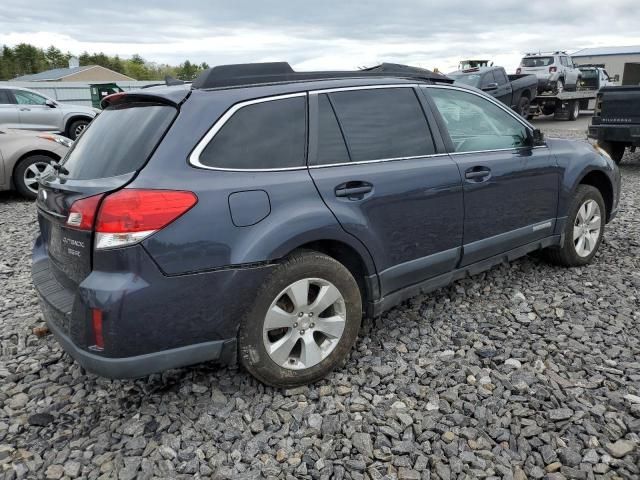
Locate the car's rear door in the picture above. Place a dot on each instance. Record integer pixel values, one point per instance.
(35, 114)
(378, 168)
(510, 186)
(9, 113)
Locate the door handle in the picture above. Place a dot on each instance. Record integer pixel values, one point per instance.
(25, 109)
(353, 190)
(478, 174)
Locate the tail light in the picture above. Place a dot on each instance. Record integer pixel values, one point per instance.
(518, 70)
(82, 214)
(98, 337)
(129, 215)
(552, 69)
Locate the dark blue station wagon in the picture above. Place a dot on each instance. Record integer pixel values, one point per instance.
(260, 213)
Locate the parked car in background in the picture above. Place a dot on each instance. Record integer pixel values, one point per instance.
(262, 221)
(515, 91)
(30, 110)
(555, 71)
(25, 155)
(616, 120)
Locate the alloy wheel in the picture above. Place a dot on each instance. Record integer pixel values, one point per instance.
(586, 228)
(32, 173)
(79, 129)
(304, 323)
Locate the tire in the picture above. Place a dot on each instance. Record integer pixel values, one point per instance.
(25, 173)
(76, 127)
(523, 107)
(574, 110)
(570, 254)
(547, 110)
(559, 88)
(615, 150)
(311, 272)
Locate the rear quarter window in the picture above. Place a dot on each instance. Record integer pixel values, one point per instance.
(119, 140)
(266, 135)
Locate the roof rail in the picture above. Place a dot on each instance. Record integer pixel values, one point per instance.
(281, 72)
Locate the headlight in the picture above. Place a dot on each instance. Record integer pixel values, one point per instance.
(58, 139)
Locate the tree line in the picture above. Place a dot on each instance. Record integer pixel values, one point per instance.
(26, 59)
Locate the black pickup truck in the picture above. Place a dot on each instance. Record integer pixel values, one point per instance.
(616, 120)
(515, 91)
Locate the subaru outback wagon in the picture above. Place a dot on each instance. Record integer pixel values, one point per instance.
(260, 213)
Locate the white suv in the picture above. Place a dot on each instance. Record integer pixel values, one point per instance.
(555, 71)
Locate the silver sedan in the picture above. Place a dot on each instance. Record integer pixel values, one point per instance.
(25, 155)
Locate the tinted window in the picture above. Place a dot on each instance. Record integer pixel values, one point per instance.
(331, 146)
(269, 134)
(536, 62)
(5, 97)
(474, 123)
(119, 140)
(382, 123)
(500, 76)
(28, 98)
(487, 79)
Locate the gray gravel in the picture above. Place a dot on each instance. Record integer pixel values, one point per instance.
(526, 371)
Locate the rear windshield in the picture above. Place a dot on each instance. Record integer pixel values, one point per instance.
(537, 61)
(118, 141)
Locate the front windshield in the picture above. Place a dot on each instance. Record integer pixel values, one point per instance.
(472, 79)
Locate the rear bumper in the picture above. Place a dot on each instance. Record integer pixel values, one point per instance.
(628, 134)
(141, 365)
(151, 322)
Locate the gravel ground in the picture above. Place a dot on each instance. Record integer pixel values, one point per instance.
(526, 371)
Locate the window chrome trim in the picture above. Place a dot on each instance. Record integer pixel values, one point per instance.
(194, 157)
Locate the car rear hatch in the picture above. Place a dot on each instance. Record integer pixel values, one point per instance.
(105, 158)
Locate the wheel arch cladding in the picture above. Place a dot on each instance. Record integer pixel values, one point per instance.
(353, 261)
(599, 180)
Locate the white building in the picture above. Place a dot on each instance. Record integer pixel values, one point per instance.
(621, 61)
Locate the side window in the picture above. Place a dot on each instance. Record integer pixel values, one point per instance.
(382, 123)
(569, 62)
(476, 124)
(28, 98)
(270, 134)
(501, 77)
(563, 61)
(487, 79)
(331, 146)
(5, 97)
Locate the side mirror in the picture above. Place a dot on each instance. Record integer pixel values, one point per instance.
(50, 103)
(537, 138)
(490, 86)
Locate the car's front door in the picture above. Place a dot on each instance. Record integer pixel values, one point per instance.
(34, 112)
(377, 166)
(9, 114)
(510, 186)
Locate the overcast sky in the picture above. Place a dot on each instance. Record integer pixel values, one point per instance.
(333, 34)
